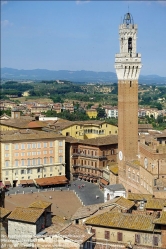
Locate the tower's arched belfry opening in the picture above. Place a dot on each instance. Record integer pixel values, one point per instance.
(127, 65)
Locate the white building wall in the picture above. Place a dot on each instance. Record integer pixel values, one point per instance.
(21, 233)
(113, 194)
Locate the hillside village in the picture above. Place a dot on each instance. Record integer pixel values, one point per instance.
(48, 152)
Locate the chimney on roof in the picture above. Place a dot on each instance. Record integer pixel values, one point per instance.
(15, 113)
(142, 204)
(88, 229)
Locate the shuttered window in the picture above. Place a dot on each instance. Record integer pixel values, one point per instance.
(120, 236)
(155, 241)
(94, 231)
(107, 235)
(137, 238)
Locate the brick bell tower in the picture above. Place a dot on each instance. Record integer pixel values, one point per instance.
(127, 65)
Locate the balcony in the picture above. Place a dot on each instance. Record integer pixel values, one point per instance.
(86, 167)
(81, 154)
(104, 157)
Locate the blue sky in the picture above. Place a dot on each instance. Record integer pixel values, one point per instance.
(79, 35)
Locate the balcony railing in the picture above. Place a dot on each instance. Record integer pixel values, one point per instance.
(84, 155)
(103, 157)
(86, 167)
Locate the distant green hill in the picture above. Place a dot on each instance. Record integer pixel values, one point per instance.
(75, 76)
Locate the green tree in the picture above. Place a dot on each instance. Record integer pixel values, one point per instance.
(100, 113)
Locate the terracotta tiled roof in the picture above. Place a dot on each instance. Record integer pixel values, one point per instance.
(58, 223)
(139, 197)
(36, 124)
(22, 124)
(85, 211)
(123, 221)
(155, 204)
(26, 214)
(89, 210)
(122, 202)
(40, 204)
(98, 141)
(57, 219)
(26, 134)
(72, 139)
(4, 212)
(76, 233)
(162, 219)
(51, 180)
(104, 182)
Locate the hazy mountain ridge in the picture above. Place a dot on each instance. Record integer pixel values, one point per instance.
(80, 76)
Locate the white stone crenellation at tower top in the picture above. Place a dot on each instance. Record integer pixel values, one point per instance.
(128, 61)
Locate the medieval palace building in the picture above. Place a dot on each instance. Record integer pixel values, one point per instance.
(141, 161)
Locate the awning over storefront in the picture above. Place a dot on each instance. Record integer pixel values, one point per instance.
(30, 181)
(7, 183)
(54, 180)
(104, 182)
(23, 182)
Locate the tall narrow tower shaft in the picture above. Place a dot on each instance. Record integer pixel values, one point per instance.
(127, 65)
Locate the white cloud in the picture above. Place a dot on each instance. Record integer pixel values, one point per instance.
(82, 1)
(3, 2)
(6, 23)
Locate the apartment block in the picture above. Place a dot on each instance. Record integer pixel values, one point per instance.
(29, 154)
(92, 159)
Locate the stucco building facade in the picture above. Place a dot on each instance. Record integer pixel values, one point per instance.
(28, 154)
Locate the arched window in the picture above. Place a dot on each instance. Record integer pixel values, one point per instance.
(130, 46)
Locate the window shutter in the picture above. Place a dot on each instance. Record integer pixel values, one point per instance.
(155, 241)
(107, 235)
(137, 238)
(120, 237)
(94, 231)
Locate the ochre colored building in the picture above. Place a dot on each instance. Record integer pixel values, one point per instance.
(29, 154)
